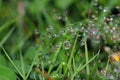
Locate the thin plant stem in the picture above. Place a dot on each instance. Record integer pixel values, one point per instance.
(22, 64)
(36, 55)
(54, 59)
(86, 56)
(82, 67)
(71, 56)
(6, 37)
(13, 63)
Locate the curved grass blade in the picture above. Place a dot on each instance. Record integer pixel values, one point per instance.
(13, 63)
(7, 25)
(6, 37)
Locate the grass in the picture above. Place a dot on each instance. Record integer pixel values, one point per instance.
(59, 40)
(13, 63)
(69, 66)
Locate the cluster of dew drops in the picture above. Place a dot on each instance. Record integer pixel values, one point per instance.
(107, 29)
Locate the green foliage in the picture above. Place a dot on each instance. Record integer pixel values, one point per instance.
(6, 73)
(30, 54)
(58, 39)
(2, 60)
(63, 4)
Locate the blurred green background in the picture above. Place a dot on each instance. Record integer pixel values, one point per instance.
(49, 28)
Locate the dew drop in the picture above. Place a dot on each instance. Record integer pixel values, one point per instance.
(55, 47)
(36, 31)
(95, 4)
(63, 63)
(58, 17)
(49, 62)
(56, 35)
(66, 18)
(50, 28)
(80, 24)
(63, 32)
(110, 76)
(104, 10)
(100, 7)
(67, 45)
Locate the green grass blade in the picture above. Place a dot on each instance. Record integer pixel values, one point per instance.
(74, 65)
(86, 56)
(13, 63)
(6, 37)
(22, 64)
(36, 55)
(82, 67)
(6, 25)
(71, 56)
(55, 57)
(7, 73)
(0, 4)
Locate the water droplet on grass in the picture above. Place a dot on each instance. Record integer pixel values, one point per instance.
(54, 48)
(63, 63)
(58, 16)
(100, 7)
(110, 76)
(36, 31)
(66, 18)
(49, 62)
(67, 45)
(63, 32)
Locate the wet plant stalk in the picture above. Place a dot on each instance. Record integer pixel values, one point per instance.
(86, 56)
(54, 59)
(81, 66)
(71, 56)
